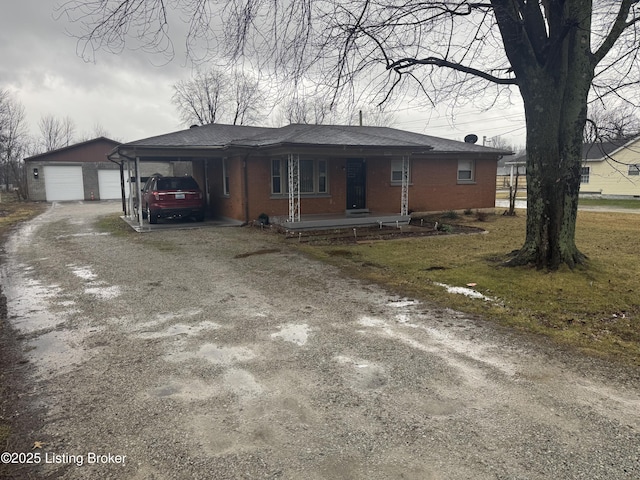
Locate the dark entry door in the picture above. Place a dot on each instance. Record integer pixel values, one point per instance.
(356, 183)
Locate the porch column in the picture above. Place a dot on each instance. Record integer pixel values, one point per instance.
(138, 188)
(404, 201)
(294, 187)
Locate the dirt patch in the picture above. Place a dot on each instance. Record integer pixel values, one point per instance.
(355, 235)
(264, 251)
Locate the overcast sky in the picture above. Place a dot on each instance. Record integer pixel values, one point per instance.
(129, 94)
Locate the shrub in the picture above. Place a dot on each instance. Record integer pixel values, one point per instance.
(451, 214)
(481, 216)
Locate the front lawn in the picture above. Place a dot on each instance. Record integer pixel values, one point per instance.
(595, 308)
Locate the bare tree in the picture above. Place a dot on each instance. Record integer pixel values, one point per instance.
(55, 132)
(217, 96)
(616, 122)
(555, 53)
(247, 99)
(14, 143)
(200, 100)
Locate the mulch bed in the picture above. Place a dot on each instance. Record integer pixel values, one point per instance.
(351, 235)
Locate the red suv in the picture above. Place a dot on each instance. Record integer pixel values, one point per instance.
(172, 197)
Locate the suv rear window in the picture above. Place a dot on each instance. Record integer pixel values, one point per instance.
(177, 183)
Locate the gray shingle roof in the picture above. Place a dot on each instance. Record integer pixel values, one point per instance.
(601, 149)
(212, 135)
(219, 135)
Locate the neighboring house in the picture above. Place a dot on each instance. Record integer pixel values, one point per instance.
(611, 169)
(296, 173)
(81, 172)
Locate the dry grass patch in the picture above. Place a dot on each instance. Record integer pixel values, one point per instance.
(595, 308)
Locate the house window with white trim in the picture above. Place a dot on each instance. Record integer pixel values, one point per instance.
(396, 171)
(634, 169)
(313, 176)
(466, 171)
(276, 177)
(584, 174)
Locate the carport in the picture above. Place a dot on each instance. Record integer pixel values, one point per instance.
(138, 164)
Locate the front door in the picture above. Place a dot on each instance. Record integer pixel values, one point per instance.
(356, 183)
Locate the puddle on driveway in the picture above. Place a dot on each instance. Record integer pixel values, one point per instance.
(164, 317)
(83, 272)
(57, 350)
(102, 291)
(180, 329)
(191, 389)
(242, 383)
(297, 334)
(214, 354)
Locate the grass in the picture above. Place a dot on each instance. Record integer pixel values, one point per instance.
(610, 202)
(584, 201)
(594, 308)
(114, 225)
(12, 213)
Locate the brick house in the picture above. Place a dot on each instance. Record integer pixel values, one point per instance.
(300, 174)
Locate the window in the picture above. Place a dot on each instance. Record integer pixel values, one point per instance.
(466, 171)
(225, 177)
(313, 176)
(396, 171)
(276, 177)
(634, 169)
(584, 174)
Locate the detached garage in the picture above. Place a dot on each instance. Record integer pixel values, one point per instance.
(109, 185)
(63, 183)
(78, 172)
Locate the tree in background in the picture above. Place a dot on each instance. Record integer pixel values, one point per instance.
(14, 143)
(216, 96)
(615, 123)
(55, 133)
(555, 53)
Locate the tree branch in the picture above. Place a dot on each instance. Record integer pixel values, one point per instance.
(405, 63)
(618, 27)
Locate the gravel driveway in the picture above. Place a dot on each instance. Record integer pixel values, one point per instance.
(221, 353)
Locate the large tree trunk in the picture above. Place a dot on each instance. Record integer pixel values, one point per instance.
(553, 183)
(555, 121)
(554, 83)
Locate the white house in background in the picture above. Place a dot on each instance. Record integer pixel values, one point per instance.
(611, 169)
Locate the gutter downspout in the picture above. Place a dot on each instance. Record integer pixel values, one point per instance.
(245, 190)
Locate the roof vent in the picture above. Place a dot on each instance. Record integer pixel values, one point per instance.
(194, 126)
(471, 138)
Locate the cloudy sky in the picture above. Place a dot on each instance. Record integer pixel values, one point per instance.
(129, 94)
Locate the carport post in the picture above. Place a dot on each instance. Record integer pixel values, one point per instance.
(130, 188)
(138, 191)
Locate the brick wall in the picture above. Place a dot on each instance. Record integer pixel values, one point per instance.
(433, 187)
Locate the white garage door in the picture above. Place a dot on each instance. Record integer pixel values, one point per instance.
(63, 183)
(109, 184)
